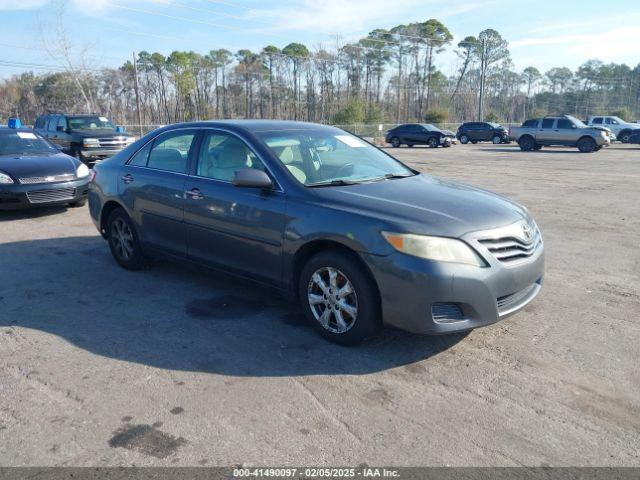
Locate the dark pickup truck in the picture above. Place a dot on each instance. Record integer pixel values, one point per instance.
(88, 137)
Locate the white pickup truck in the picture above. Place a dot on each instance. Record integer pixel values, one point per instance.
(619, 127)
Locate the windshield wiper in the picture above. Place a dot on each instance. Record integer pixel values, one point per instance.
(332, 183)
(390, 176)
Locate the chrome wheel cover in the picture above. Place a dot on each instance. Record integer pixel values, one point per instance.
(332, 300)
(122, 239)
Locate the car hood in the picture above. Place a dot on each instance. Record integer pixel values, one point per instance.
(426, 205)
(22, 166)
(99, 133)
(448, 133)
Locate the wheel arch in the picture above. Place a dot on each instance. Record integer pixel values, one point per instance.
(106, 210)
(311, 248)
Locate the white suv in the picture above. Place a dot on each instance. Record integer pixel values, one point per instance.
(618, 126)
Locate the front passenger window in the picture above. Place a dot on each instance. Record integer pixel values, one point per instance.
(222, 155)
(170, 152)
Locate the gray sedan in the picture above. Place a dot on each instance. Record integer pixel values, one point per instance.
(358, 237)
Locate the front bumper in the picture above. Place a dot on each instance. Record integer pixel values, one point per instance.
(99, 153)
(18, 196)
(419, 295)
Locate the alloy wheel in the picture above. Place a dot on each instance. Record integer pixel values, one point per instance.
(122, 238)
(333, 300)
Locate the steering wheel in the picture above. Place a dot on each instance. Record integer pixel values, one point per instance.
(344, 167)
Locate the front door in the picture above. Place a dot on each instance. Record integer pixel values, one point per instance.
(152, 185)
(235, 228)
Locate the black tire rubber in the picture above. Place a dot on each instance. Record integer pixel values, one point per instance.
(500, 140)
(624, 136)
(395, 142)
(137, 260)
(538, 147)
(474, 141)
(79, 203)
(410, 145)
(587, 145)
(527, 143)
(464, 139)
(433, 142)
(368, 321)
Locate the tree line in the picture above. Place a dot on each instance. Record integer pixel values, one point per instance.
(389, 76)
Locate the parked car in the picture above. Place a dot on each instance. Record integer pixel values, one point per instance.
(411, 134)
(564, 130)
(87, 137)
(475, 132)
(34, 173)
(619, 127)
(357, 236)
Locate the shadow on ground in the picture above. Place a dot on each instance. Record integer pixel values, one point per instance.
(179, 318)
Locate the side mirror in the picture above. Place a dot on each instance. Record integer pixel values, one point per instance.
(574, 126)
(58, 146)
(252, 178)
(60, 128)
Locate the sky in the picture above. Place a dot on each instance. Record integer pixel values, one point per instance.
(544, 34)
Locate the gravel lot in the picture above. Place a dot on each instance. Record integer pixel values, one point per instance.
(100, 366)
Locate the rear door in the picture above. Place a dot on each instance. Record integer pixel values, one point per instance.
(545, 133)
(152, 186)
(235, 228)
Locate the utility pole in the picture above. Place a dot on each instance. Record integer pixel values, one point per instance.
(482, 80)
(135, 71)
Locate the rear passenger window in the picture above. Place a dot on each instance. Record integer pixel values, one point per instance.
(597, 121)
(530, 123)
(548, 122)
(171, 151)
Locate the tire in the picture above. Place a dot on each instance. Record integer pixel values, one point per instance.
(410, 145)
(474, 141)
(433, 142)
(125, 247)
(598, 148)
(625, 136)
(527, 143)
(587, 145)
(537, 147)
(79, 203)
(395, 142)
(464, 139)
(342, 325)
(496, 139)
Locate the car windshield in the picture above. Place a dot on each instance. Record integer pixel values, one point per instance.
(89, 122)
(16, 143)
(431, 128)
(576, 122)
(331, 157)
(495, 125)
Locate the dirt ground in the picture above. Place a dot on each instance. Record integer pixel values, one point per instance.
(101, 366)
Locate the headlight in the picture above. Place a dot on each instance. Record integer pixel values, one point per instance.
(5, 179)
(90, 142)
(434, 248)
(82, 171)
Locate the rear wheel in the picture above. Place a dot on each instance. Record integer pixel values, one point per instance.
(587, 145)
(527, 143)
(395, 142)
(339, 298)
(123, 241)
(624, 136)
(464, 139)
(433, 142)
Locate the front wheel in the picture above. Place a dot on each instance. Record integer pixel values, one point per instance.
(496, 139)
(123, 241)
(339, 298)
(586, 145)
(464, 139)
(433, 142)
(395, 142)
(527, 144)
(624, 136)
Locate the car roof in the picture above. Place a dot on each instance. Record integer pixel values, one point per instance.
(21, 129)
(253, 126)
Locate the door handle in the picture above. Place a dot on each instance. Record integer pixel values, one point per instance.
(128, 178)
(194, 194)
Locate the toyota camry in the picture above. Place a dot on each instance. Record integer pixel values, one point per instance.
(359, 238)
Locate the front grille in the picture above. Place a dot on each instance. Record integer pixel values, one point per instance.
(511, 248)
(514, 300)
(446, 312)
(53, 178)
(53, 195)
(115, 143)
